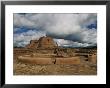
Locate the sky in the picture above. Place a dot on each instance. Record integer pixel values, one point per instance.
(67, 29)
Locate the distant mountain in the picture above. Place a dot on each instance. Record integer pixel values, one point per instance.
(91, 47)
(18, 47)
(88, 47)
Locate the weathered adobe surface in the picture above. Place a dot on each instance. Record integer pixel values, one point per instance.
(49, 60)
(41, 52)
(43, 42)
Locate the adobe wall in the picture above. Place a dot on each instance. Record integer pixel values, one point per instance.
(73, 60)
(42, 43)
(33, 44)
(40, 61)
(46, 42)
(92, 58)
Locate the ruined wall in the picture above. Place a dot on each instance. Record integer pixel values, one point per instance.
(33, 60)
(73, 60)
(46, 42)
(41, 60)
(92, 58)
(33, 44)
(42, 43)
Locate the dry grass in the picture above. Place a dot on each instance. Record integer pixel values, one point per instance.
(84, 68)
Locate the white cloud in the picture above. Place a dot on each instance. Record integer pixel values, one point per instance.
(24, 38)
(21, 20)
(62, 42)
(68, 26)
(89, 36)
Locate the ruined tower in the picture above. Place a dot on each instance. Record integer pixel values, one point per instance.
(42, 43)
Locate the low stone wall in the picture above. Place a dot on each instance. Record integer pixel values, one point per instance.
(35, 60)
(39, 60)
(72, 60)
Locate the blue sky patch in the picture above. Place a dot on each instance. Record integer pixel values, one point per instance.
(24, 29)
(91, 26)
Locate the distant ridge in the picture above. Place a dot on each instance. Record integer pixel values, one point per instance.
(88, 47)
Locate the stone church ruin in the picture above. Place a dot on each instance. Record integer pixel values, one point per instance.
(42, 43)
(46, 51)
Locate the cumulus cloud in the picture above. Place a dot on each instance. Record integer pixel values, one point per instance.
(70, 27)
(24, 38)
(66, 43)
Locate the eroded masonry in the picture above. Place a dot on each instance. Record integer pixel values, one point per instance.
(46, 51)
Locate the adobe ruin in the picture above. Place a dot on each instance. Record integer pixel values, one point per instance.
(42, 43)
(46, 51)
